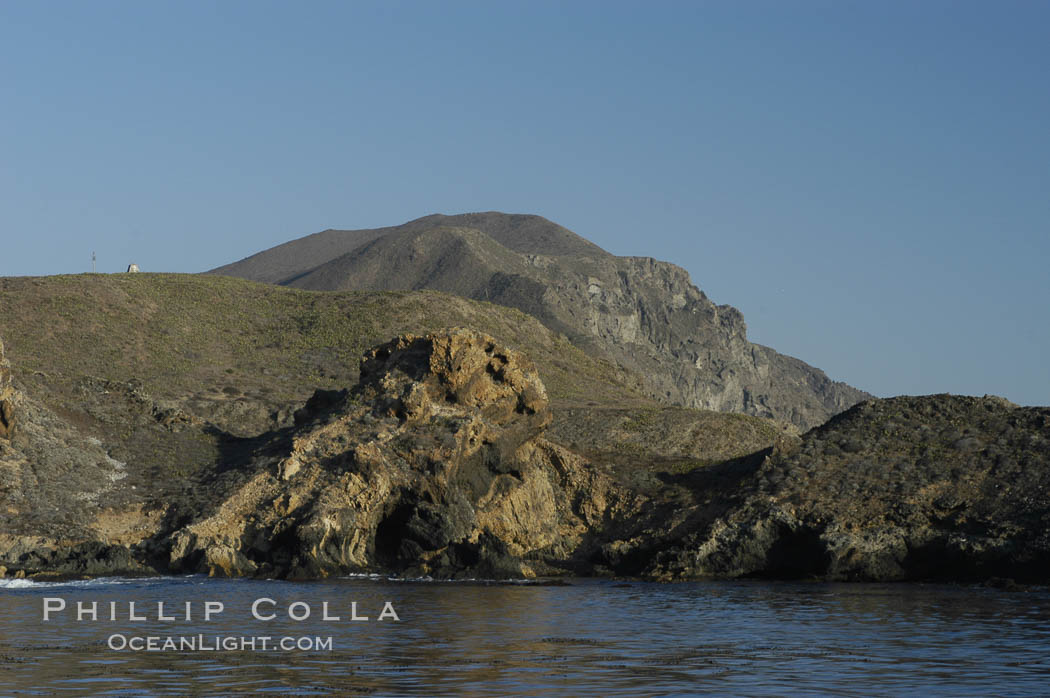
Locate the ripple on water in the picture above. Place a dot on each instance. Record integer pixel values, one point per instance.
(588, 638)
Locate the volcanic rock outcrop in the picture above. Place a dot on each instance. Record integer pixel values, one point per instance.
(909, 488)
(433, 465)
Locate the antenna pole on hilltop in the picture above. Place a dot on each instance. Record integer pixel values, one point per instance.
(92, 262)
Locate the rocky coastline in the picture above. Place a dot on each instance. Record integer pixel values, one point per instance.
(442, 461)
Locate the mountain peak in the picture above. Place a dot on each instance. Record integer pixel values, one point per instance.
(522, 232)
(641, 313)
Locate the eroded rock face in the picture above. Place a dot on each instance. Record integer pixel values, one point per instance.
(437, 463)
(7, 397)
(58, 487)
(416, 378)
(433, 464)
(910, 488)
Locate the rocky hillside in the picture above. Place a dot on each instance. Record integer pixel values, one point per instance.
(243, 356)
(938, 487)
(433, 464)
(53, 478)
(138, 391)
(444, 459)
(643, 314)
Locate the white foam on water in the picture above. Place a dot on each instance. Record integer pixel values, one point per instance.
(17, 583)
(75, 583)
(475, 580)
(9, 583)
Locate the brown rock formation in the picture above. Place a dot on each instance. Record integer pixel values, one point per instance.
(433, 464)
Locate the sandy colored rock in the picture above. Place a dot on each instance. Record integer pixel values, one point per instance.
(433, 464)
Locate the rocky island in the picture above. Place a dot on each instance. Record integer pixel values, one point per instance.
(204, 424)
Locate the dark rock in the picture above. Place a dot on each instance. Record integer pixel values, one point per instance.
(95, 559)
(319, 403)
(1004, 584)
(7, 397)
(895, 505)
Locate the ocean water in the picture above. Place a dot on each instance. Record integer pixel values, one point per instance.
(474, 638)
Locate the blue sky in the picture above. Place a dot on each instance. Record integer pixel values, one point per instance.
(869, 182)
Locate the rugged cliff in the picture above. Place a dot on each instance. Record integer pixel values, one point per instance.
(53, 480)
(645, 314)
(937, 487)
(433, 464)
(444, 459)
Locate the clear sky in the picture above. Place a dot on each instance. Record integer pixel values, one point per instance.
(869, 182)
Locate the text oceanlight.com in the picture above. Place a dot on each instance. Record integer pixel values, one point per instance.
(217, 643)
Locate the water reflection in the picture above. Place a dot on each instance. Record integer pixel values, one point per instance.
(590, 638)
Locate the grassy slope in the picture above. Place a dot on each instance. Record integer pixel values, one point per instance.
(194, 334)
(116, 355)
(236, 352)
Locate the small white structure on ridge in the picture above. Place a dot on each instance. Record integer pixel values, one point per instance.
(133, 268)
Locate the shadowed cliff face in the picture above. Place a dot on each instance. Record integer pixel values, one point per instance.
(645, 314)
(433, 464)
(7, 406)
(52, 481)
(938, 487)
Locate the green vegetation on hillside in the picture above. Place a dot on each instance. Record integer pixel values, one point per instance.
(640, 313)
(183, 335)
(173, 374)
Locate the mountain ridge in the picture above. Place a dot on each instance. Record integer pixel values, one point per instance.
(642, 313)
(272, 266)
